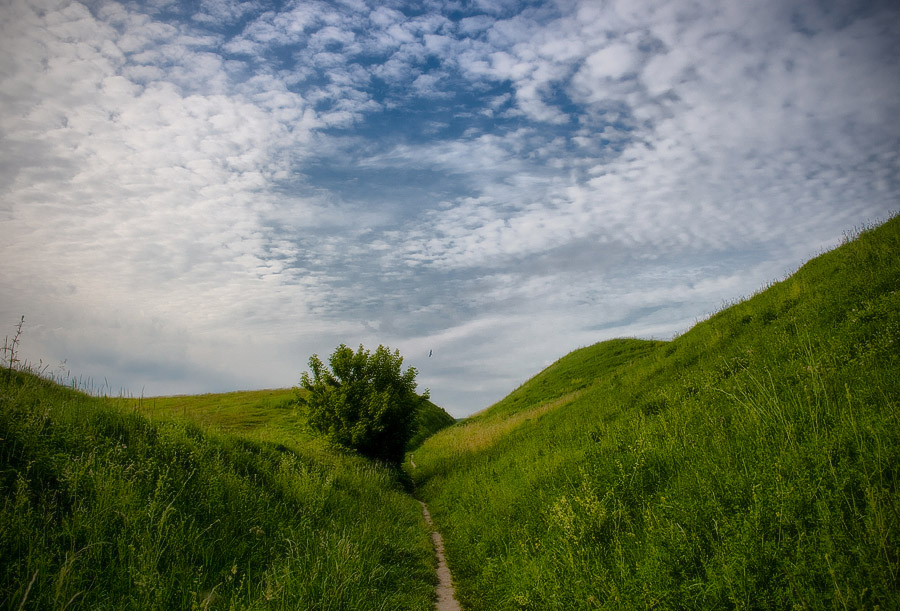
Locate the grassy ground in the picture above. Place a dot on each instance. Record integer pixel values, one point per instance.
(429, 420)
(206, 503)
(265, 415)
(752, 463)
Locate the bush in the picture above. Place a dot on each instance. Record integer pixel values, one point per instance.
(365, 402)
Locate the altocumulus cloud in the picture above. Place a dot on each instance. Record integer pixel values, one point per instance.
(198, 196)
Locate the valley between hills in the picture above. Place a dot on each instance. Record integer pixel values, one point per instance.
(751, 463)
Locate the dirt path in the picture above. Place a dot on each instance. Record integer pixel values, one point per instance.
(446, 599)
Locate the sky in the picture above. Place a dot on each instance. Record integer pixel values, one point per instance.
(198, 196)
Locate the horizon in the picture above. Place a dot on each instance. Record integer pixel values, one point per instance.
(199, 196)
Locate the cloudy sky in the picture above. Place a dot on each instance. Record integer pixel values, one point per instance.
(197, 196)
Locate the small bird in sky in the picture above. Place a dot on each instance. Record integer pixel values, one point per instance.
(430, 352)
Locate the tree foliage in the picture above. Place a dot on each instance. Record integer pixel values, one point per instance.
(364, 401)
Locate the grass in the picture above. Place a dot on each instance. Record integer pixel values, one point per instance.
(752, 463)
(210, 502)
(429, 420)
(266, 415)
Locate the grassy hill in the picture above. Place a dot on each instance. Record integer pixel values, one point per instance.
(206, 502)
(429, 420)
(752, 463)
(265, 415)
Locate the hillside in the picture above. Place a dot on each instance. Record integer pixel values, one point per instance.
(266, 415)
(751, 463)
(429, 420)
(215, 502)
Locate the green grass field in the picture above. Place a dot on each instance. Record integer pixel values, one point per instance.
(752, 463)
(266, 415)
(211, 502)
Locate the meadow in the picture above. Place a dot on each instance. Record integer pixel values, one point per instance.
(751, 463)
(205, 502)
(266, 415)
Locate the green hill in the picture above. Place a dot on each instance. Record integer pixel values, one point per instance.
(429, 420)
(209, 502)
(267, 415)
(751, 463)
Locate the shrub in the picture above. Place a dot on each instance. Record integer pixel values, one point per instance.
(365, 402)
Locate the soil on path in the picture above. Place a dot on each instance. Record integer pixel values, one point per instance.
(446, 599)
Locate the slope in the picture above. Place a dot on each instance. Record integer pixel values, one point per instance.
(265, 415)
(429, 420)
(102, 507)
(751, 463)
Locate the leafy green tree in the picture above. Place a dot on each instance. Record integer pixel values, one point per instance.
(364, 402)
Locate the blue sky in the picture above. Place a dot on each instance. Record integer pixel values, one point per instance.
(197, 196)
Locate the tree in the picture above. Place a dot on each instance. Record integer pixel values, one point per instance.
(364, 402)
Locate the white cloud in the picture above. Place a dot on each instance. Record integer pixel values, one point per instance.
(139, 188)
(216, 196)
(612, 62)
(225, 11)
(474, 25)
(429, 85)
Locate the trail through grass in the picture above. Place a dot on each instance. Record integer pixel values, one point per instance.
(446, 595)
(105, 507)
(752, 463)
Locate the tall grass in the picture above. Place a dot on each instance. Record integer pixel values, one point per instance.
(104, 508)
(267, 415)
(752, 463)
(263, 415)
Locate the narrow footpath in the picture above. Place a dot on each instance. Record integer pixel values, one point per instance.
(446, 596)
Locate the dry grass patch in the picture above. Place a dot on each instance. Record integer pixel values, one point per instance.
(481, 433)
